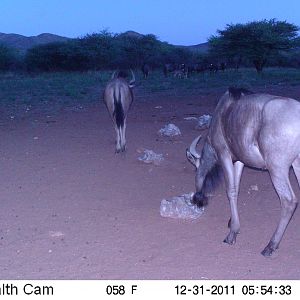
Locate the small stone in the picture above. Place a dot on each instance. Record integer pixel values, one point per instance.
(180, 207)
(169, 130)
(150, 156)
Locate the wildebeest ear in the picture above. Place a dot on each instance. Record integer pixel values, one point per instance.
(195, 161)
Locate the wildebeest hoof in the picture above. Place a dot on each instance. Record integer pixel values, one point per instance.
(268, 251)
(231, 238)
(120, 150)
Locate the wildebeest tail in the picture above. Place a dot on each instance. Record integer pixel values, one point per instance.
(119, 111)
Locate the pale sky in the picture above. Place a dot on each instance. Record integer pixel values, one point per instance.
(177, 22)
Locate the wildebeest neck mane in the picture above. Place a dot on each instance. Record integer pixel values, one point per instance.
(212, 179)
(237, 93)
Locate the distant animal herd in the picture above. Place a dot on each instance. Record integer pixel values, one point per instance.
(185, 70)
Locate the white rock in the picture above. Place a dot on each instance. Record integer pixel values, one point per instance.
(203, 122)
(150, 156)
(180, 207)
(170, 130)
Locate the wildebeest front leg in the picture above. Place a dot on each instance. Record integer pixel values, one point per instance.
(233, 174)
(288, 201)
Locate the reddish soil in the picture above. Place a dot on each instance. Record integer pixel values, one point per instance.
(73, 209)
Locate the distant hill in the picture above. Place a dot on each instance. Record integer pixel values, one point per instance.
(23, 43)
(200, 48)
(132, 34)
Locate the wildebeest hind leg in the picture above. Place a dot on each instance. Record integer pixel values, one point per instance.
(238, 168)
(118, 139)
(288, 201)
(296, 168)
(123, 137)
(233, 175)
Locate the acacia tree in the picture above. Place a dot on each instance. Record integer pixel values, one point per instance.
(254, 41)
(136, 50)
(100, 49)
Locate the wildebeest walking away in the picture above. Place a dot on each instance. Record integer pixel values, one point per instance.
(145, 70)
(256, 130)
(118, 97)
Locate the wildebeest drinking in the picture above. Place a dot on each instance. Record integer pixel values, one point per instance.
(256, 130)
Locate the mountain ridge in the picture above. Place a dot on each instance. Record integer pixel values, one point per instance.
(23, 43)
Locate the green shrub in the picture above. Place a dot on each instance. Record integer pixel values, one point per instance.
(8, 58)
(104, 51)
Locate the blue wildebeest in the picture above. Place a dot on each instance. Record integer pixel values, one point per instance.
(200, 67)
(178, 70)
(191, 68)
(213, 67)
(169, 68)
(180, 74)
(256, 130)
(145, 70)
(184, 70)
(197, 68)
(118, 97)
(222, 66)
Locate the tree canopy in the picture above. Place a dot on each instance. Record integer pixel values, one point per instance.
(255, 41)
(104, 50)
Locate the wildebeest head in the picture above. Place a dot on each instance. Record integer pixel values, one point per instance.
(207, 170)
(124, 74)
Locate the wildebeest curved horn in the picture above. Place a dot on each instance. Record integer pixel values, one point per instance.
(132, 81)
(113, 75)
(193, 146)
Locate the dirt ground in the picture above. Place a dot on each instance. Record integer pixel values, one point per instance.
(73, 209)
